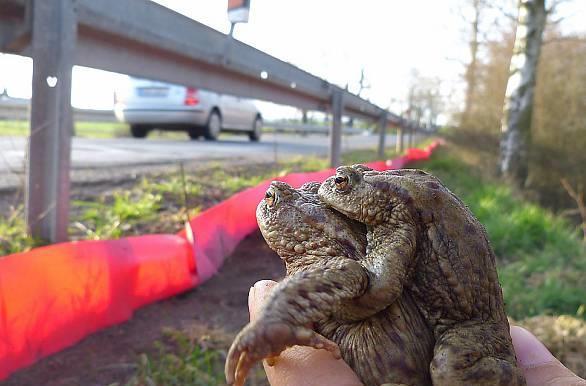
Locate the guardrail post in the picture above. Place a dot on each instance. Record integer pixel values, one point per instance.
(336, 129)
(399, 142)
(51, 122)
(382, 127)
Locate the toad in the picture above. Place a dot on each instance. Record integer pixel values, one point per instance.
(423, 239)
(315, 304)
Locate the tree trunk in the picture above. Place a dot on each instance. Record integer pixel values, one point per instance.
(518, 107)
(471, 69)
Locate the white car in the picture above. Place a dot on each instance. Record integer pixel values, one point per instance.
(146, 105)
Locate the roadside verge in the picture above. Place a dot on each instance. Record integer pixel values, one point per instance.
(52, 297)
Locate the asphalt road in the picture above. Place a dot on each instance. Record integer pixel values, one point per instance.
(124, 152)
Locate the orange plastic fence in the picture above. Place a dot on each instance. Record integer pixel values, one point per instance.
(52, 297)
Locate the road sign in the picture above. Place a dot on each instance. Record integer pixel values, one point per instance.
(238, 11)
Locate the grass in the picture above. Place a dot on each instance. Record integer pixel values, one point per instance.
(542, 261)
(82, 129)
(101, 130)
(180, 361)
(111, 217)
(13, 236)
(157, 203)
(184, 358)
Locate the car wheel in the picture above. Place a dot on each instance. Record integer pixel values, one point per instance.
(256, 132)
(213, 127)
(139, 131)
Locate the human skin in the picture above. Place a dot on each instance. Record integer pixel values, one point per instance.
(423, 239)
(309, 367)
(321, 250)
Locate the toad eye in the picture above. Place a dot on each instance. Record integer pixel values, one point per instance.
(270, 198)
(341, 182)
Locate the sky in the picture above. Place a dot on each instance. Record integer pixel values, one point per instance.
(331, 39)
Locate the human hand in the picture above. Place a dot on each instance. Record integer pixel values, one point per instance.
(538, 364)
(300, 365)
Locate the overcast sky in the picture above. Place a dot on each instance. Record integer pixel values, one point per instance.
(331, 39)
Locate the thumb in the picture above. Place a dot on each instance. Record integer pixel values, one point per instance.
(299, 365)
(257, 296)
(538, 364)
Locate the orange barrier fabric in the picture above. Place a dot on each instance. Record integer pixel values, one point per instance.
(52, 297)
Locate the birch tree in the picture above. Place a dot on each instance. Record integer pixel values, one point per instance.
(518, 107)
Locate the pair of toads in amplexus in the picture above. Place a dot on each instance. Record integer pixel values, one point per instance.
(387, 270)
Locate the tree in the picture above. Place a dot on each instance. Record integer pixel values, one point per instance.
(424, 101)
(471, 75)
(518, 107)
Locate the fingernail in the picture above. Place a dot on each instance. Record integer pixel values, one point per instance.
(261, 289)
(257, 295)
(530, 351)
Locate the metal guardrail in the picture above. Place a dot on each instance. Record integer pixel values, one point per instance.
(306, 128)
(143, 39)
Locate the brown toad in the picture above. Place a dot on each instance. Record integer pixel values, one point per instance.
(423, 239)
(321, 250)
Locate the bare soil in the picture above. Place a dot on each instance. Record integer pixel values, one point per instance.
(218, 307)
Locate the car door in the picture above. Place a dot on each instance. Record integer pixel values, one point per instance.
(229, 110)
(249, 112)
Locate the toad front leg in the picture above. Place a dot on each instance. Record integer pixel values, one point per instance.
(387, 211)
(297, 302)
(389, 261)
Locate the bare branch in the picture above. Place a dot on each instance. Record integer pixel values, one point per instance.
(561, 39)
(569, 212)
(554, 5)
(578, 197)
(462, 62)
(503, 11)
(556, 21)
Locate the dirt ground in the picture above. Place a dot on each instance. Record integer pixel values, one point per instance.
(110, 356)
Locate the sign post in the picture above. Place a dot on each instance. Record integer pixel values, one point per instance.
(238, 11)
(336, 129)
(382, 127)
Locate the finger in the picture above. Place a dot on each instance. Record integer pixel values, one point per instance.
(258, 295)
(237, 361)
(538, 364)
(301, 365)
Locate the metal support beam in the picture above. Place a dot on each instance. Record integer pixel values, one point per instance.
(336, 128)
(382, 127)
(399, 143)
(48, 159)
(410, 137)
